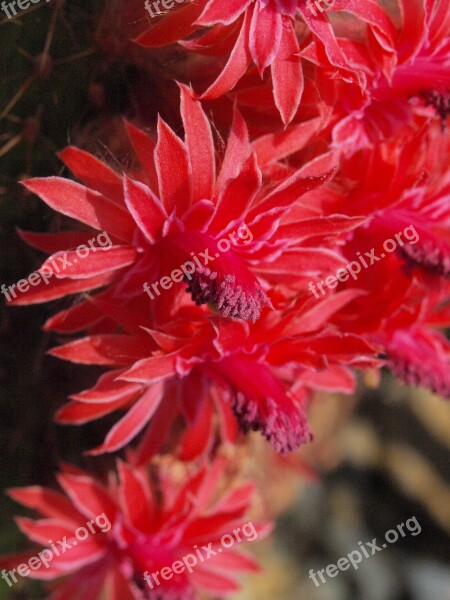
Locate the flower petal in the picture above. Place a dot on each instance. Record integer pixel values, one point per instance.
(146, 208)
(172, 166)
(235, 68)
(93, 173)
(200, 145)
(83, 204)
(89, 496)
(132, 423)
(287, 74)
(265, 35)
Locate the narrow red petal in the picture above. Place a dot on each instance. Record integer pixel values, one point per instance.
(78, 413)
(79, 202)
(237, 151)
(89, 497)
(93, 173)
(97, 261)
(276, 146)
(236, 66)
(200, 146)
(42, 530)
(156, 433)
(55, 242)
(136, 498)
(48, 503)
(287, 74)
(132, 423)
(175, 26)
(152, 369)
(237, 195)
(144, 146)
(172, 165)
(221, 12)
(106, 350)
(51, 289)
(146, 208)
(265, 35)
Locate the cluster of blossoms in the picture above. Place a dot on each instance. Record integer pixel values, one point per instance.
(336, 124)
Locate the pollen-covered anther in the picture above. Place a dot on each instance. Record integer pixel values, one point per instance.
(439, 101)
(418, 374)
(165, 593)
(230, 298)
(429, 256)
(285, 432)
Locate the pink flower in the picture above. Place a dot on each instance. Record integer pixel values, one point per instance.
(401, 254)
(175, 208)
(264, 32)
(418, 86)
(262, 372)
(137, 526)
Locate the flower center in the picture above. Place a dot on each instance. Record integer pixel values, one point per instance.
(440, 102)
(218, 276)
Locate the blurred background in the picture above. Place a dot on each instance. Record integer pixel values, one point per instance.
(379, 458)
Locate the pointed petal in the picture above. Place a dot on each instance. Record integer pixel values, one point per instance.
(199, 437)
(286, 193)
(265, 35)
(106, 350)
(236, 66)
(221, 12)
(175, 26)
(58, 288)
(132, 423)
(136, 498)
(287, 74)
(156, 433)
(144, 147)
(237, 195)
(146, 208)
(237, 151)
(48, 503)
(89, 496)
(55, 242)
(78, 413)
(200, 145)
(276, 146)
(93, 173)
(42, 530)
(109, 389)
(172, 166)
(79, 202)
(311, 261)
(96, 262)
(152, 369)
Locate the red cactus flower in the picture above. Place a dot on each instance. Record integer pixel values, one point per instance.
(265, 32)
(262, 372)
(177, 211)
(419, 84)
(137, 527)
(401, 254)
